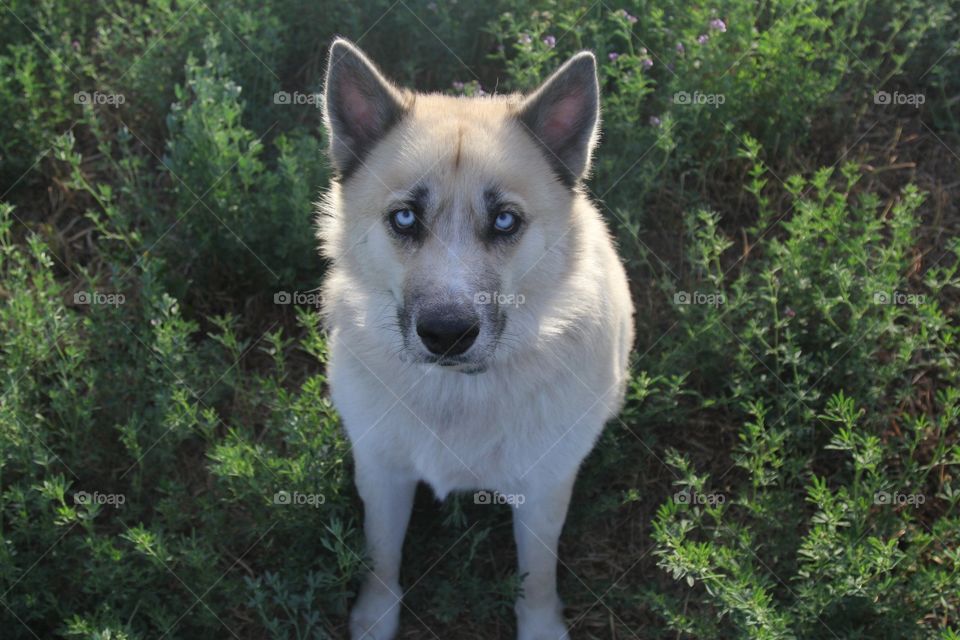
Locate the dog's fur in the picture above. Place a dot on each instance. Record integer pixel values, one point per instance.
(518, 411)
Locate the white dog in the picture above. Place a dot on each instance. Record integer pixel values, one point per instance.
(480, 320)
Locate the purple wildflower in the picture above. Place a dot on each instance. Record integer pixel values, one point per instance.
(457, 85)
(680, 48)
(790, 313)
(613, 55)
(629, 18)
(647, 63)
(655, 121)
(702, 38)
(718, 25)
(525, 38)
(550, 41)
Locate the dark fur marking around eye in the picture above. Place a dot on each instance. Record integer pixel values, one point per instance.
(419, 196)
(492, 200)
(416, 201)
(494, 204)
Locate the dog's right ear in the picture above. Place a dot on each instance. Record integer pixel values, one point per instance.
(360, 106)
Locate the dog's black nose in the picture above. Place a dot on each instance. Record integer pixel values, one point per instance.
(447, 334)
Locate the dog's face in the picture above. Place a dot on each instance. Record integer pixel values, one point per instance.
(453, 212)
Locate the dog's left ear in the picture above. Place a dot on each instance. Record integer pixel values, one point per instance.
(563, 116)
(360, 105)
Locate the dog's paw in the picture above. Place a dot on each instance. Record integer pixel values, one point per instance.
(376, 614)
(541, 623)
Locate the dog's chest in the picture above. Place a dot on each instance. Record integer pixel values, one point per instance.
(500, 430)
(480, 433)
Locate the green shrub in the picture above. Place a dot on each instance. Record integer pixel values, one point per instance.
(241, 225)
(818, 348)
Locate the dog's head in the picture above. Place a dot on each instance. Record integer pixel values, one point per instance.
(453, 215)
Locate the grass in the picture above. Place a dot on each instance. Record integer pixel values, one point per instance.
(785, 467)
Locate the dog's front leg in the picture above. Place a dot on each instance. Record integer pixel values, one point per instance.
(537, 523)
(387, 501)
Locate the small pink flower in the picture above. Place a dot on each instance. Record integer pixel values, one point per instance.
(629, 18)
(525, 38)
(550, 41)
(655, 121)
(613, 55)
(458, 85)
(680, 48)
(702, 38)
(718, 25)
(647, 63)
(790, 313)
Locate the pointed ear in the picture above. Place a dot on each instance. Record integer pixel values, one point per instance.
(360, 106)
(563, 115)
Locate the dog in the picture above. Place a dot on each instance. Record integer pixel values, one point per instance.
(479, 318)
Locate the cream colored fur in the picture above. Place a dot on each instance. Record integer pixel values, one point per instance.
(548, 382)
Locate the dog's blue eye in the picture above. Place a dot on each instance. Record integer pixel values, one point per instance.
(403, 219)
(505, 222)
